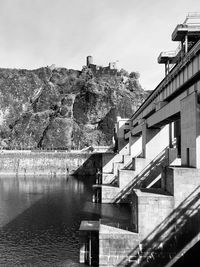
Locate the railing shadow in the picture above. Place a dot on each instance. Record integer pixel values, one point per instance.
(170, 236)
(114, 181)
(139, 179)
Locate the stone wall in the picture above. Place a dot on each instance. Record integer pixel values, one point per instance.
(48, 163)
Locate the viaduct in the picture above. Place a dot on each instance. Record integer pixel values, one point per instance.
(156, 169)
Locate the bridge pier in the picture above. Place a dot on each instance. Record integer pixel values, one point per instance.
(122, 126)
(135, 145)
(190, 131)
(154, 141)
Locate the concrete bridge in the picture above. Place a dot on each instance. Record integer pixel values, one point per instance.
(156, 169)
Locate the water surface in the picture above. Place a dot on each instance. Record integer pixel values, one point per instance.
(40, 219)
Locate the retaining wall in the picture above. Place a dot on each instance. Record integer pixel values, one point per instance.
(33, 163)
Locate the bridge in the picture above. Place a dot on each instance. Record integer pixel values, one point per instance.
(156, 169)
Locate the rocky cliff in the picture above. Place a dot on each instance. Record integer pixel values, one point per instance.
(57, 108)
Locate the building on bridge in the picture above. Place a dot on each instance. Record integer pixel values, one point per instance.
(157, 168)
(187, 34)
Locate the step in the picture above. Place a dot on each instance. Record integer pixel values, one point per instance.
(107, 178)
(117, 166)
(109, 159)
(152, 175)
(140, 163)
(127, 159)
(126, 177)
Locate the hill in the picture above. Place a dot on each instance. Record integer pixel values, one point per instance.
(58, 108)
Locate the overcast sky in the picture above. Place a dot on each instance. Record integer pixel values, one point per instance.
(36, 33)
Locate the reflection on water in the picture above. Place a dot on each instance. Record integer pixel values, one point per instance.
(40, 219)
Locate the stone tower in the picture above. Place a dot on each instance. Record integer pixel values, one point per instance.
(89, 61)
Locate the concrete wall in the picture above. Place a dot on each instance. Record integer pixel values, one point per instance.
(107, 161)
(126, 177)
(184, 184)
(109, 193)
(48, 163)
(152, 209)
(115, 245)
(190, 131)
(122, 126)
(181, 183)
(135, 145)
(154, 141)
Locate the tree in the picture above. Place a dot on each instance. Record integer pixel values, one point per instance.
(134, 75)
(124, 72)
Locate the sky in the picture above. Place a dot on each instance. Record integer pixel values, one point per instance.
(39, 33)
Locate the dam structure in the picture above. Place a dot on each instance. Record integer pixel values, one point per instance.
(155, 169)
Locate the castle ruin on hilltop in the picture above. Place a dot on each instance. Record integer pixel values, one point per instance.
(111, 69)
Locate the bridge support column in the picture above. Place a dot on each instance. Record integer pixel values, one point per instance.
(186, 43)
(190, 131)
(122, 127)
(135, 145)
(171, 134)
(154, 141)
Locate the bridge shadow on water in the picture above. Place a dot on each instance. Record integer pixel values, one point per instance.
(40, 220)
(44, 230)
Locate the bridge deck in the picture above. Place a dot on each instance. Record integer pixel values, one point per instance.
(184, 76)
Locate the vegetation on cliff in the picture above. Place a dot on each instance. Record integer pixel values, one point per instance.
(57, 108)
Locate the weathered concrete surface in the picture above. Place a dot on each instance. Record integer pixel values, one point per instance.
(150, 208)
(28, 163)
(154, 141)
(109, 193)
(181, 183)
(123, 125)
(107, 161)
(135, 145)
(115, 245)
(190, 131)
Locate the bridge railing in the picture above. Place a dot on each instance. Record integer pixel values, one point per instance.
(163, 84)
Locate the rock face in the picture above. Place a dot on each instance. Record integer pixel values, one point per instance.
(63, 109)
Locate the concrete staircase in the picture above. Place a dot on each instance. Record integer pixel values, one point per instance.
(114, 164)
(133, 173)
(173, 226)
(165, 221)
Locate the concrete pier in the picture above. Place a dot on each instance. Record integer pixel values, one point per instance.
(156, 169)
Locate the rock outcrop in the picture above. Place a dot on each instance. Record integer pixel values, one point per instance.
(57, 108)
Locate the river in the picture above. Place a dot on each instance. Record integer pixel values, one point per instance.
(40, 219)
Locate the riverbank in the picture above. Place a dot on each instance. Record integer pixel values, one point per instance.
(48, 163)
